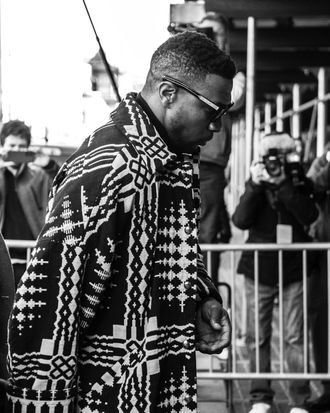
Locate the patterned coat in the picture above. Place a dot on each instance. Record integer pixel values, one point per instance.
(104, 318)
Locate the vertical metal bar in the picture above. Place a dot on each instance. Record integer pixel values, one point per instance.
(208, 262)
(321, 112)
(295, 106)
(279, 112)
(305, 313)
(280, 307)
(268, 116)
(256, 139)
(28, 255)
(243, 148)
(256, 309)
(250, 91)
(233, 308)
(234, 166)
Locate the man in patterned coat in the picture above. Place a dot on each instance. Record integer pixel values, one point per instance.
(116, 300)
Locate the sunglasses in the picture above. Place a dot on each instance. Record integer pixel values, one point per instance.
(218, 110)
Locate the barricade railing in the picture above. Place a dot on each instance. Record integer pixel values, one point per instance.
(23, 244)
(234, 251)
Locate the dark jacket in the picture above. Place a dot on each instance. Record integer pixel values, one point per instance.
(7, 291)
(319, 173)
(32, 185)
(260, 209)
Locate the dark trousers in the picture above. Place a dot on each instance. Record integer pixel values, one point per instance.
(318, 316)
(299, 390)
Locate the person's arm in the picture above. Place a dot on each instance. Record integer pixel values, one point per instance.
(319, 173)
(213, 326)
(205, 285)
(62, 288)
(250, 204)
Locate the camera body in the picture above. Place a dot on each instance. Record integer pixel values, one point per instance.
(18, 156)
(276, 162)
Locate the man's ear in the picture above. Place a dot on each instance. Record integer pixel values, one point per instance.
(167, 92)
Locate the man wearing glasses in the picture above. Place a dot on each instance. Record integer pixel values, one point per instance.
(116, 299)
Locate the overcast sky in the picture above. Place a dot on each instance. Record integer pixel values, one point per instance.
(44, 44)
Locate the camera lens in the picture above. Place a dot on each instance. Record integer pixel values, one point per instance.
(273, 166)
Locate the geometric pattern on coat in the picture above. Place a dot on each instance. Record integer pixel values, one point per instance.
(104, 317)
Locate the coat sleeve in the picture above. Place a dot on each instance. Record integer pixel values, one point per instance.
(250, 203)
(205, 285)
(63, 285)
(319, 173)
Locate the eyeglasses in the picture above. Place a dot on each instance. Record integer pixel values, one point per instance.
(219, 110)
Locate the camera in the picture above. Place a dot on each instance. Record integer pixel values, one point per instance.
(18, 156)
(276, 162)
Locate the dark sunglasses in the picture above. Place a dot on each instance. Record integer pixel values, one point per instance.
(219, 110)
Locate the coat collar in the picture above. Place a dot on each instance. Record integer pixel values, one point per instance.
(135, 123)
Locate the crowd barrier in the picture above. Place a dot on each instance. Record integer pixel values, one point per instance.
(235, 298)
(234, 251)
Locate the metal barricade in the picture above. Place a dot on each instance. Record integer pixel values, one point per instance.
(230, 372)
(24, 244)
(234, 250)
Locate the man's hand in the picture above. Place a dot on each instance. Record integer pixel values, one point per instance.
(213, 327)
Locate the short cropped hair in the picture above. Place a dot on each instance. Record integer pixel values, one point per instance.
(190, 55)
(16, 128)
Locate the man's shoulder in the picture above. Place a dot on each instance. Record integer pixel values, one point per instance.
(103, 143)
(105, 135)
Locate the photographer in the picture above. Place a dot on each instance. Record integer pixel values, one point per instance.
(24, 189)
(276, 206)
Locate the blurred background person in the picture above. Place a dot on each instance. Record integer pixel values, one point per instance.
(319, 173)
(276, 206)
(7, 290)
(214, 156)
(24, 189)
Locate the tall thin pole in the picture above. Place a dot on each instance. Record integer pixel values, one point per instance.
(103, 56)
(256, 138)
(321, 112)
(250, 93)
(296, 129)
(279, 112)
(268, 117)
